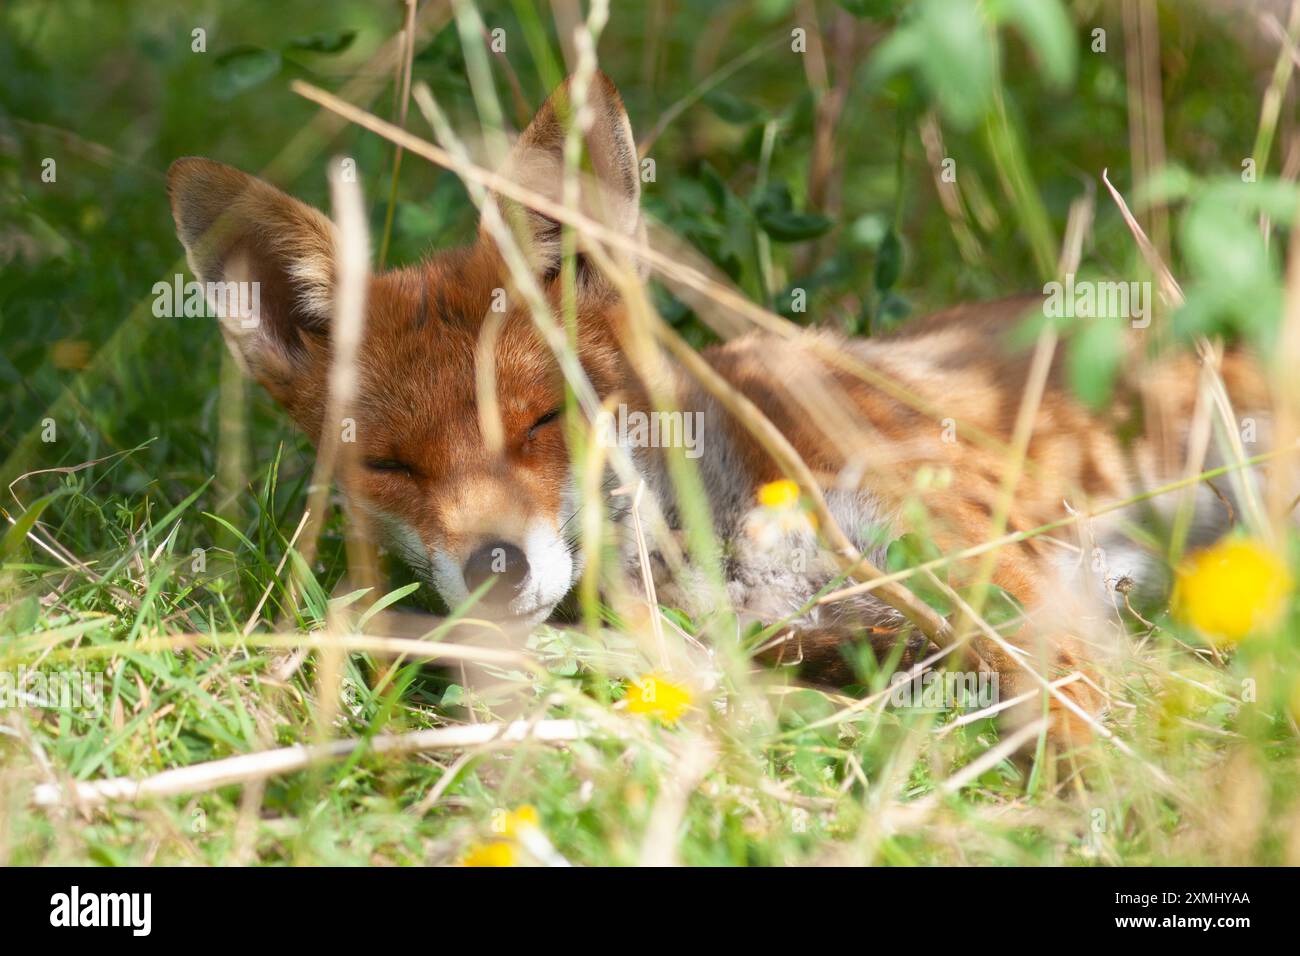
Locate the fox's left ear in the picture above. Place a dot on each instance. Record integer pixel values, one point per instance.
(238, 229)
(610, 187)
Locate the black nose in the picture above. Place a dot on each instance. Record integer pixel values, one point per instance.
(499, 562)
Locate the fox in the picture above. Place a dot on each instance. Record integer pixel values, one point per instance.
(925, 454)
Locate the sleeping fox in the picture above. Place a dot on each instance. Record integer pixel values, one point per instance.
(927, 453)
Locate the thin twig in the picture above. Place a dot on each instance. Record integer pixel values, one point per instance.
(203, 777)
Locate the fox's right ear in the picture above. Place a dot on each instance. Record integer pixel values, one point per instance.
(237, 228)
(610, 189)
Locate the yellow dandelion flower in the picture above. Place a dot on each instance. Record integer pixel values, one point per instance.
(654, 696)
(495, 853)
(779, 495)
(780, 513)
(523, 817)
(517, 840)
(1232, 589)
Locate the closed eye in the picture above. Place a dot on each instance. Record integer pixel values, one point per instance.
(542, 422)
(389, 464)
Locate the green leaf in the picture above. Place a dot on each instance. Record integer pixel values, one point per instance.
(891, 313)
(951, 46)
(17, 533)
(794, 226)
(335, 42)
(242, 68)
(669, 307)
(314, 597)
(1093, 362)
(872, 9)
(21, 616)
(1222, 242)
(1046, 28)
(889, 261)
(1001, 607)
(732, 108)
(681, 619)
(736, 249)
(776, 217)
(416, 221)
(713, 185)
(389, 599)
(1167, 186)
(347, 600)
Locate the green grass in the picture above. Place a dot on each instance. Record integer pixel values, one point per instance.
(758, 772)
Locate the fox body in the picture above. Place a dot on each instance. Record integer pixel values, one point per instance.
(907, 433)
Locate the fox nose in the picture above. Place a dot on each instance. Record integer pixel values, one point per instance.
(499, 561)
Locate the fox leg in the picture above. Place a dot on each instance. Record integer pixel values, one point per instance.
(1061, 660)
(1042, 652)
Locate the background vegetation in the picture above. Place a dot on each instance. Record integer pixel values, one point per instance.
(820, 171)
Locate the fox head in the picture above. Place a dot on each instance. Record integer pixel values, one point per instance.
(461, 509)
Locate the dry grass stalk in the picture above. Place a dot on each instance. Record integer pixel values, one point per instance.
(245, 768)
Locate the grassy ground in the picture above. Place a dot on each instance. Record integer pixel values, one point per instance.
(156, 499)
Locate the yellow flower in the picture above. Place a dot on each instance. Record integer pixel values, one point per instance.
(517, 840)
(654, 696)
(524, 817)
(779, 495)
(496, 853)
(780, 514)
(1232, 589)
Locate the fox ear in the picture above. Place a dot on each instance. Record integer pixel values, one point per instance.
(610, 189)
(237, 228)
